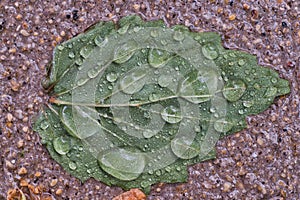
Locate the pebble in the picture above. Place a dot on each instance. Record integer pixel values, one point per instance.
(20, 143)
(9, 117)
(227, 186)
(59, 191)
(53, 182)
(22, 171)
(24, 33)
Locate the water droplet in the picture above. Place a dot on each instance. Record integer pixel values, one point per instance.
(111, 77)
(210, 51)
(194, 89)
(122, 164)
(197, 128)
(123, 29)
(185, 148)
(61, 145)
(82, 81)
(44, 125)
(78, 61)
(241, 62)
(271, 92)
(164, 80)
(154, 97)
(158, 58)
(222, 125)
(60, 47)
(274, 80)
(248, 104)
(98, 40)
(86, 51)
(178, 36)
(134, 81)
(149, 133)
(154, 33)
(164, 42)
(71, 54)
(241, 111)
(234, 90)
(171, 114)
(124, 52)
(137, 29)
(72, 165)
(92, 73)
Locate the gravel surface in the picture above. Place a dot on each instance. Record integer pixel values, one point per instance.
(261, 162)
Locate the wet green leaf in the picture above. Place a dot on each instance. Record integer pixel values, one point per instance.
(136, 105)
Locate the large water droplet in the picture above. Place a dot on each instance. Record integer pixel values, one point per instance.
(158, 58)
(133, 81)
(185, 148)
(171, 114)
(82, 81)
(61, 145)
(222, 125)
(111, 77)
(125, 51)
(234, 90)
(92, 73)
(122, 164)
(210, 51)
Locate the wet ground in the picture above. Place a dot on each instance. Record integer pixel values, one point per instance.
(261, 162)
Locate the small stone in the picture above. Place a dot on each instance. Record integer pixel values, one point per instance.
(24, 33)
(19, 16)
(158, 189)
(62, 33)
(53, 182)
(9, 117)
(226, 186)
(260, 141)
(242, 171)
(261, 188)
(20, 143)
(246, 6)
(22, 171)
(15, 86)
(58, 191)
(23, 183)
(9, 164)
(232, 17)
(37, 174)
(25, 129)
(133, 194)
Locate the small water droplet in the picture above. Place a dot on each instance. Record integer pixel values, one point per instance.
(98, 40)
(158, 58)
(171, 114)
(234, 90)
(241, 111)
(154, 97)
(44, 125)
(72, 165)
(178, 36)
(61, 145)
(271, 92)
(78, 62)
(60, 47)
(86, 51)
(222, 125)
(210, 51)
(123, 29)
(274, 80)
(164, 80)
(134, 81)
(241, 62)
(154, 33)
(92, 73)
(125, 51)
(197, 128)
(111, 77)
(248, 104)
(71, 54)
(82, 81)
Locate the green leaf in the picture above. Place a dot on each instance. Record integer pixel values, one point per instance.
(135, 105)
